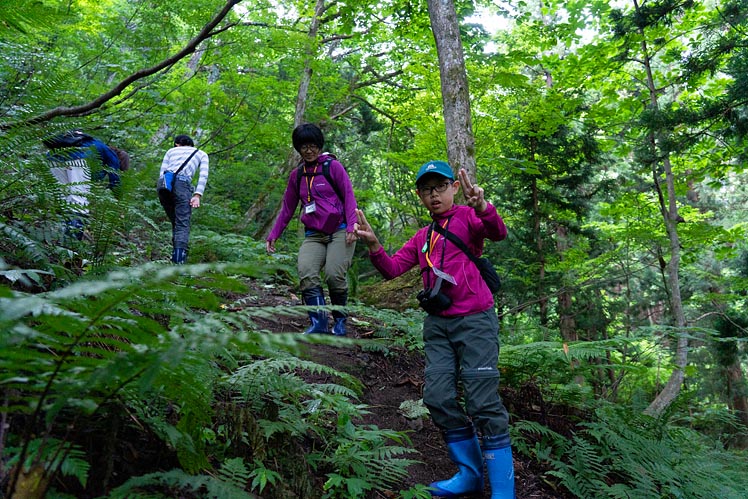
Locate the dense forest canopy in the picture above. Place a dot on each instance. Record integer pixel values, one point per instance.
(611, 137)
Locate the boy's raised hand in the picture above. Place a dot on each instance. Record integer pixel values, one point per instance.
(473, 194)
(365, 233)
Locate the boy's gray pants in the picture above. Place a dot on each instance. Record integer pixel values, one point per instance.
(464, 350)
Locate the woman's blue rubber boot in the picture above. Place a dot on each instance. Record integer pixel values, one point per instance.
(315, 296)
(339, 317)
(179, 256)
(497, 453)
(464, 450)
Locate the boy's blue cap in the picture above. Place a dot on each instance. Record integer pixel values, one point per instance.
(438, 167)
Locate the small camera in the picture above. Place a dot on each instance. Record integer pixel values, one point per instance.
(433, 301)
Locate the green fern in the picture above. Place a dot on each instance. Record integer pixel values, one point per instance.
(54, 454)
(622, 454)
(175, 483)
(159, 342)
(363, 459)
(77, 348)
(261, 477)
(29, 249)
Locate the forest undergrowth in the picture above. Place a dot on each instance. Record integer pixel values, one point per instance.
(191, 382)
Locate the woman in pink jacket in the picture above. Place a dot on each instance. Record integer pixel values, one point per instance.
(328, 212)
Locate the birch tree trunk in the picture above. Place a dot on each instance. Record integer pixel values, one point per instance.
(454, 83)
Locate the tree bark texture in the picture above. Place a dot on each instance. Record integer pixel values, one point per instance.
(737, 389)
(669, 210)
(454, 83)
(567, 322)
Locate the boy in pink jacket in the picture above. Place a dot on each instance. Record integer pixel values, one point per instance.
(460, 331)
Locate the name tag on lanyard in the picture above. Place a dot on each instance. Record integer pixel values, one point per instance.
(427, 248)
(444, 275)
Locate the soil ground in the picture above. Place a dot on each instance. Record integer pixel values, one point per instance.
(398, 376)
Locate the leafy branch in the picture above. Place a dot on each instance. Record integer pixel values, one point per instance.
(208, 31)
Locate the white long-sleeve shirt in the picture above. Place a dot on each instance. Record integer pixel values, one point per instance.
(174, 158)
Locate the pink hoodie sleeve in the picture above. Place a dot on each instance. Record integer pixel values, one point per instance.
(494, 227)
(290, 202)
(402, 261)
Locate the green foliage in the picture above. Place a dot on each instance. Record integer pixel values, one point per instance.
(395, 329)
(101, 343)
(413, 409)
(627, 455)
(555, 364)
(55, 454)
(261, 476)
(363, 459)
(419, 491)
(562, 126)
(175, 483)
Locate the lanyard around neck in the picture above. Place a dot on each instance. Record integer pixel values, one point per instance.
(309, 182)
(431, 240)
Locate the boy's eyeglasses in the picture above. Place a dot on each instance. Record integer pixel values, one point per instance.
(428, 190)
(308, 147)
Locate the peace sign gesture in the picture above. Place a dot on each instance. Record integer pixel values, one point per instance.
(364, 231)
(473, 193)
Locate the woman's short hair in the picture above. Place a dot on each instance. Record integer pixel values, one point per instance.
(183, 140)
(307, 133)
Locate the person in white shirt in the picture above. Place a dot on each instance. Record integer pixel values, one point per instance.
(179, 201)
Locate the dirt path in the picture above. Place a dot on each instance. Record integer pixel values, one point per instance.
(389, 380)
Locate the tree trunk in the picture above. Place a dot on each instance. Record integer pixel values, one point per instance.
(536, 216)
(291, 160)
(669, 210)
(737, 389)
(567, 323)
(454, 83)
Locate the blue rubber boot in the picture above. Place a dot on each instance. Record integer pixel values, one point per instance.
(464, 450)
(179, 256)
(74, 227)
(338, 328)
(314, 296)
(497, 453)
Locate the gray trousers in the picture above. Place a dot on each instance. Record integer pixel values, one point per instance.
(464, 350)
(329, 253)
(177, 207)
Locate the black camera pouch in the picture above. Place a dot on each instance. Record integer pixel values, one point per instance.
(432, 300)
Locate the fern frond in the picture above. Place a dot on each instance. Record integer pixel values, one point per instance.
(55, 456)
(623, 454)
(235, 472)
(263, 371)
(31, 249)
(175, 483)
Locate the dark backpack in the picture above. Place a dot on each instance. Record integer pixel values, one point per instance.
(73, 138)
(325, 171)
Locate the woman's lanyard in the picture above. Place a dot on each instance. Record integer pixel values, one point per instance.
(309, 182)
